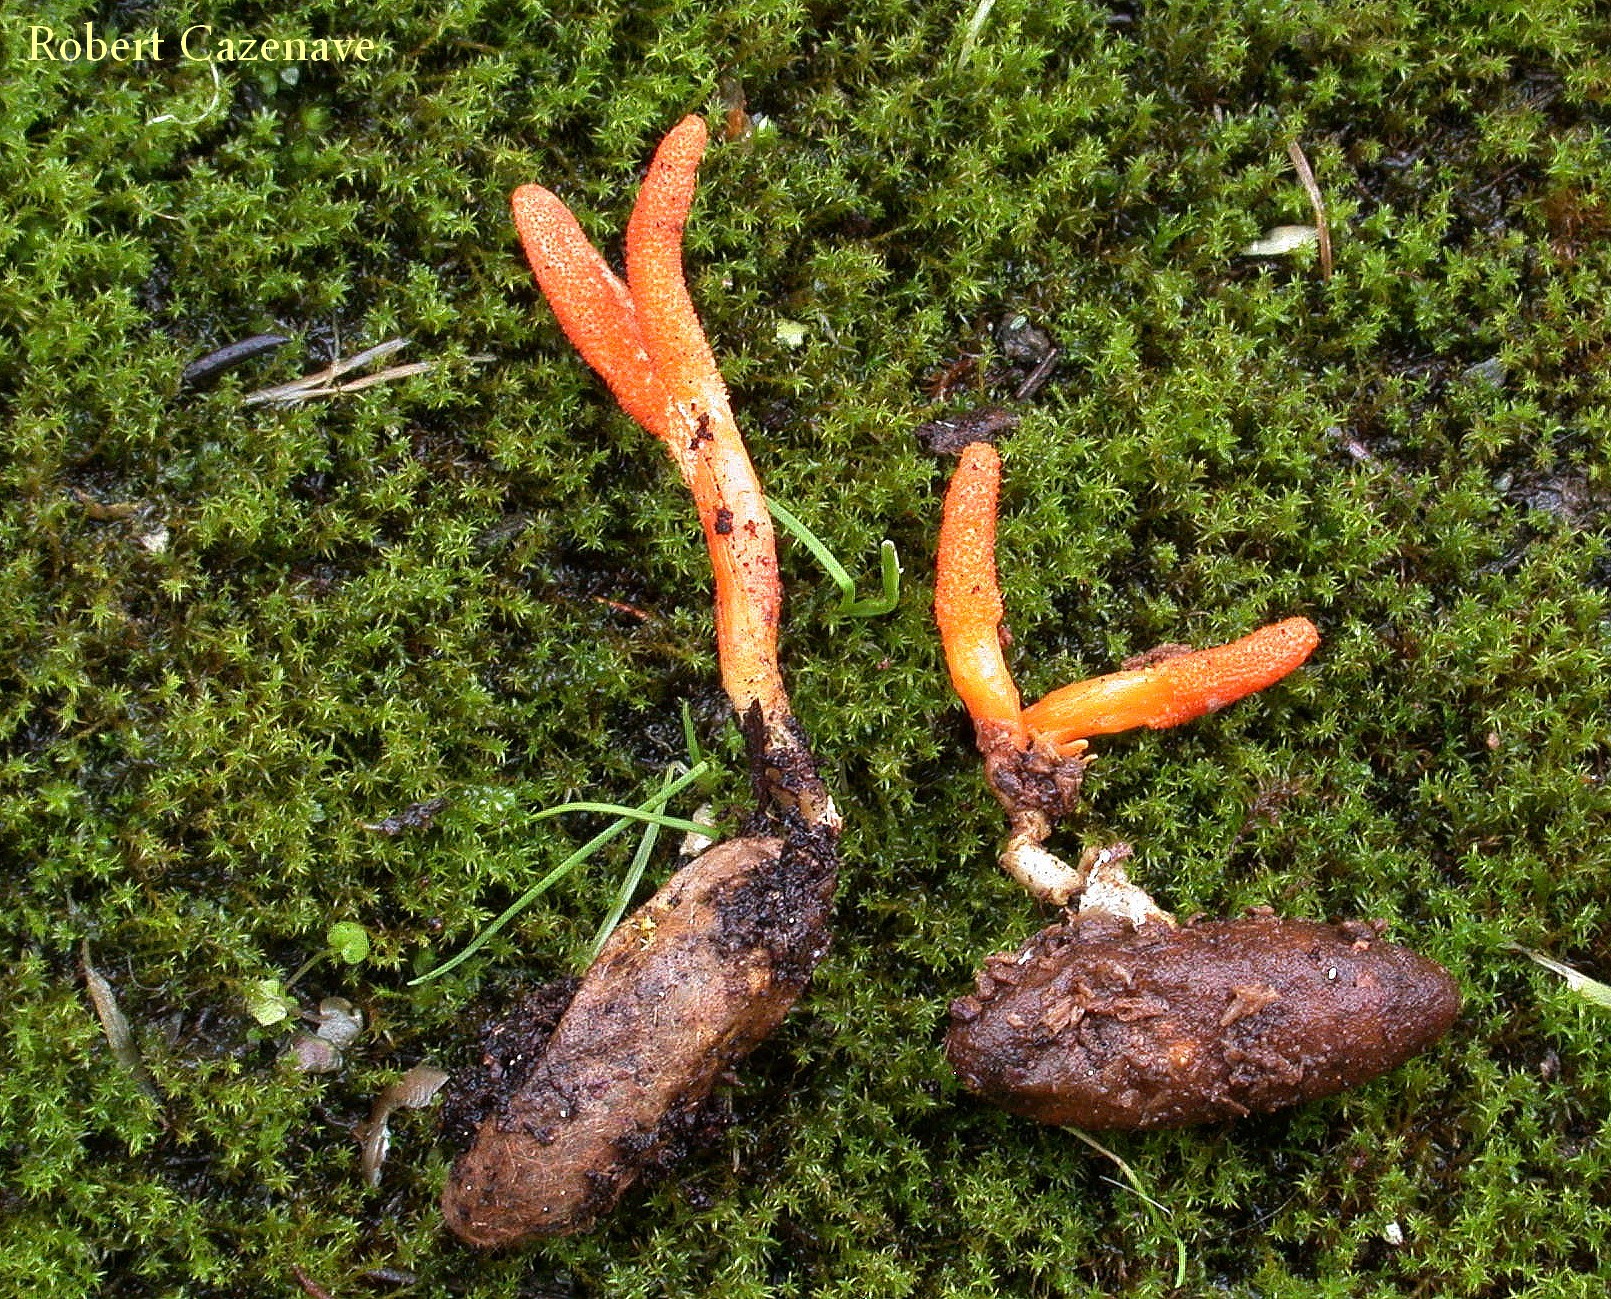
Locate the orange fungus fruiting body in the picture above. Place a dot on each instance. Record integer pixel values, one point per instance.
(645, 340)
(1176, 690)
(968, 609)
(676, 340)
(967, 599)
(593, 308)
(732, 506)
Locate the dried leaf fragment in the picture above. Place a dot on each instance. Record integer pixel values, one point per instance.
(413, 1091)
(115, 1024)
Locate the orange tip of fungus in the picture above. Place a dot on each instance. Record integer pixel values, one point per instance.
(1176, 690)
(593, 307)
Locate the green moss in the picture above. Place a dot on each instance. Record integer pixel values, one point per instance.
(483, 584)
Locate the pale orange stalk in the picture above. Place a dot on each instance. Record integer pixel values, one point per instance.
(732, 506)
(967, 599)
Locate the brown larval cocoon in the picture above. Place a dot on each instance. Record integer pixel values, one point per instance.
(690, 983)
(1098, 1023)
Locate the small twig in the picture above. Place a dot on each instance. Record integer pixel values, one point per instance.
(1036, 379)
(323, 383)
(228, 357)
(309, 1286)
(299, 389)
(889, 566)
(1317, 201)
(391, 375)
(622, 607)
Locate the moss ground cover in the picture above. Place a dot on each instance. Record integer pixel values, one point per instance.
(236, 637)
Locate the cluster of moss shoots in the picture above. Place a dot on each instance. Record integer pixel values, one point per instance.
(1114, 1017)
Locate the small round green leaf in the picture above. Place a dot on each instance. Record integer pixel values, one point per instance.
(266, 1001)
(349, 941)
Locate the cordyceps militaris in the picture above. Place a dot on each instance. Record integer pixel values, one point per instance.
(1117, 1016)
(706, 969)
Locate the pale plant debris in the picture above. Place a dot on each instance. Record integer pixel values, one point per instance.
(120, 1037)
(1281, 241)
(390, 375)
(323, 383)
(1317, 201)
(1591, 990)
(695, 842)
(212, 104)
(106, 511)
(115, 1024)
(414, 1090)
(791, 333)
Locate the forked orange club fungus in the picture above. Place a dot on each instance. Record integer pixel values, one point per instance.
(1116, 1016)
(609, 1077)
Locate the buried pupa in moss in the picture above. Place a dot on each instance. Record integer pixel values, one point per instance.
(1100, 1023)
